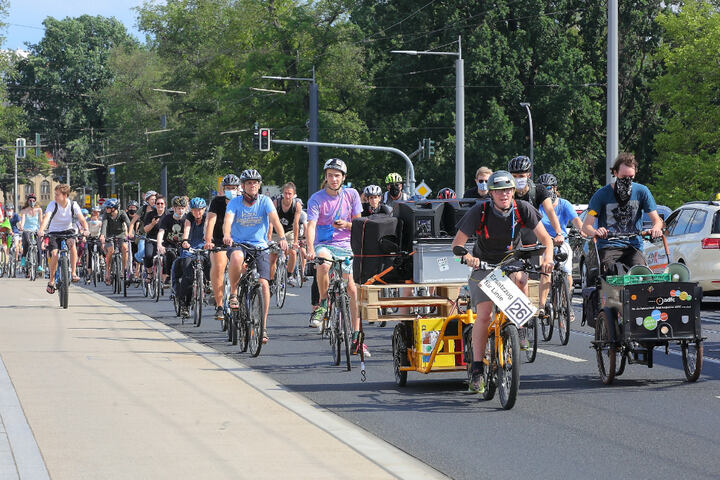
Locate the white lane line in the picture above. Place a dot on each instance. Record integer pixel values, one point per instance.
(717, 396)
(25, 450)
(569, 358)
(385, 455)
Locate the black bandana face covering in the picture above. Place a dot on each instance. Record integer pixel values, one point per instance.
(623, 188)
(394, 190)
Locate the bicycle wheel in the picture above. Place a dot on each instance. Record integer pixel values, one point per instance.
(508, 356)
(692, 359)
(198, 292)
(547, 323)
(236, 324)
(3, 261)
(127, 275)
(605, 350)
(332, 320)
(64, 281)
(157, 277)
(32, 264)
(11, 263)
(563, 314)
(280, 284)
(255, 317)
(400, 356)
(531, 334)
(242, 328)
(345, 326)
(95, 268)
(490, 369)
(118, 275)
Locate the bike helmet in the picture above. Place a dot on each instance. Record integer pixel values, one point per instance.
(548, 179)
(111, 203)
(500, 180)
(133, 203)
(149, 194)
(178, 201)
(97, 208)
(230, 179)
(393, 178)
(250, 174)
(198, 202)
(336, 164)
(84, 211)
(446, 193)
(519, 164)
(32, 195)
(371, 190)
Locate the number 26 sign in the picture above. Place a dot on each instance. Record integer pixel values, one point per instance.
(508, 297)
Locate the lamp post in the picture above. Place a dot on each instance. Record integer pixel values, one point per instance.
(313, 127)
(459, 110)
(532, 156)
(613, 118)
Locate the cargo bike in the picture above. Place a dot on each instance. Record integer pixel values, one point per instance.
(636, 311)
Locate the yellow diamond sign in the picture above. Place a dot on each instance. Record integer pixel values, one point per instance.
(423, 190)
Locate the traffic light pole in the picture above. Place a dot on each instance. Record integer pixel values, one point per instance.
(408, 162)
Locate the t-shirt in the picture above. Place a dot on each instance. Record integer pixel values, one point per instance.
(14, 221)
(502, 232)
(173, 229)
(112, 227)
(152, 215)
(218, 206)
(621, 219)
(473, 193)
(63, 219)
(196, 237)
(528, 236)
(389, 201)
(325, 209)
(565, 213)
(94, 227)
(250, 223)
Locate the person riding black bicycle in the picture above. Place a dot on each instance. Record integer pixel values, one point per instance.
(115, 225)
(618, 208)
(193, 237)
(496, 222)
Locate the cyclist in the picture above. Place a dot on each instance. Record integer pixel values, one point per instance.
(566, 214)
(394, 184)
(14, 220)
(288, 208)
(446, 194)
(520, 168)
(30, 218)
(214, 237)
(131, 211)
(247, 220)
(480, 190)
(373, 195)
(60, 216)
(115, 225)
(330, 214)
(94, 228)
(193, 237)
(137, 221)
(170, 235)
(497, 222)
(151, 226)
(618, 208)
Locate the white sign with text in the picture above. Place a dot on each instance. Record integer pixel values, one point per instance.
(508, 297)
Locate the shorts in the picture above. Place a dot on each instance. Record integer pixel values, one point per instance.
(109, 243)
(262, 261)
(336, 253)
(566, 266)
(54, 240)
(289, 236)
(476, 293)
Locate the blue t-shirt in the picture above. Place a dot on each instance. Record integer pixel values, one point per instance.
(14, 221)
(621, 219)
(565, 213)
(250, 224)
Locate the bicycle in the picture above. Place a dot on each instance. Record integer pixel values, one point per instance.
(200, 283)
(248, 318)
(12, 257)
(95, 272)
(298, 272)
(116, 268)
(31, 257)
(337, 324)
(279, 286)
(3, 255)
(559, 302)
(62, 273)
(502, 353)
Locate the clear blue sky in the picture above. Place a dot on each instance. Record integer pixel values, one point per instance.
(31, 13)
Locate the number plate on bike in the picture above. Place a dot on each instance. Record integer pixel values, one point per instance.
(508, 297)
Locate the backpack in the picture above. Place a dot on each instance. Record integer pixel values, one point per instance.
(482, 227)
(532, 194)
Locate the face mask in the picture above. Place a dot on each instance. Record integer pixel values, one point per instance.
(31, 203)
(553, 196)
(521, 183)
(131, 212)
(394, 190)
(623, 188)
(482, 186)
(498, 211)
(230, 194)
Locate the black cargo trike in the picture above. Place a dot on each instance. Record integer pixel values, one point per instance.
(636, 310)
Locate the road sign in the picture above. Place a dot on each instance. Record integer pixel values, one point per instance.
(112, 170)
(423, 190)
(87, 201)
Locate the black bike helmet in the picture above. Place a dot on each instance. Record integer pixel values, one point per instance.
(519, 164)
(250, 175)
(179, 201)
(547, 179)
(133, 204)
(230, 179)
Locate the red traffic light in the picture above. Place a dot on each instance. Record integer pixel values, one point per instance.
(264, 132)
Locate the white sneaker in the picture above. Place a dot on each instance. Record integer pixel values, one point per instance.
(292, 282)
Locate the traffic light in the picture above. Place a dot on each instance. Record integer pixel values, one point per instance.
(256, 137)
(428, 147)
(38, 152)
(20, 148)
(265, 139)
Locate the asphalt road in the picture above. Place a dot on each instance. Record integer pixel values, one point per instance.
(649, 423)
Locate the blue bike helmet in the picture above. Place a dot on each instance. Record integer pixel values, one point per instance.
(198, 202)
(84, 211)
(111, 203)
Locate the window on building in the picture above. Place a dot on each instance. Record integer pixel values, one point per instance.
(45, 187)
(29, 188)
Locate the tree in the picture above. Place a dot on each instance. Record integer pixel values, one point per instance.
(689, 92)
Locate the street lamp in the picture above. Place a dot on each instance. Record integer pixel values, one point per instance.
(532, 157)
(312, 149)
(459, 110)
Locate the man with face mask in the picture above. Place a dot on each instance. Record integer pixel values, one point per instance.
(394, 184)
(480, 189)
(618, 208)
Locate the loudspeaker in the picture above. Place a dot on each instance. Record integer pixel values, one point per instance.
(639, 270)
(678, 271)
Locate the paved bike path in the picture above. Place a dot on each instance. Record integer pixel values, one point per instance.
(102, 391)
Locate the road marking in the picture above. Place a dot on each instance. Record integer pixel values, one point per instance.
(569, 358)
(717, 396)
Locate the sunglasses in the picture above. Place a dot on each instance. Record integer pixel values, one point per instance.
(159, 203)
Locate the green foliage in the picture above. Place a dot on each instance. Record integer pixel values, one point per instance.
(689, 92)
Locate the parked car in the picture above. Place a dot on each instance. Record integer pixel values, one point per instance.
(693, 237)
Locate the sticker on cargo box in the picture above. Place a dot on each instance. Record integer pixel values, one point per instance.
(508, 297)
(443, 264)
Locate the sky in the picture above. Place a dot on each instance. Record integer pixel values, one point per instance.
(26, 17)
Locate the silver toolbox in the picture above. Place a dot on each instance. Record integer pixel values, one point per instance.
(435, 263)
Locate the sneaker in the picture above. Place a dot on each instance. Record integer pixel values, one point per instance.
(572, 315)
(184, 311)
(524, 343)
(366, 351)
(22, 262)
(40, 269)
(317, 316)
(477, 382)
(219, 314)
(291, 281)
